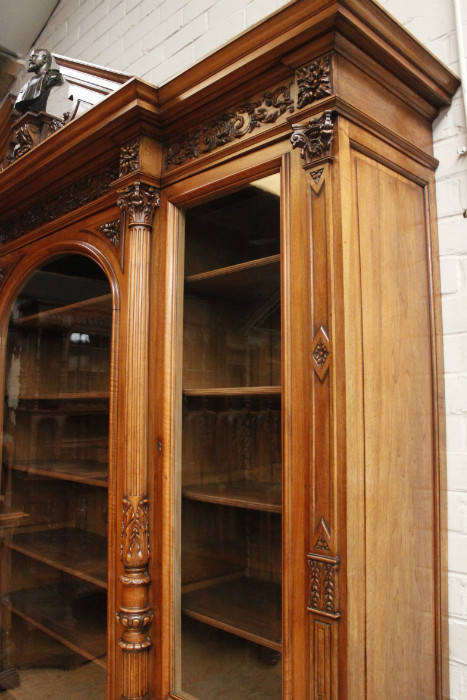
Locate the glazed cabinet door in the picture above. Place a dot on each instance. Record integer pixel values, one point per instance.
(54, 482)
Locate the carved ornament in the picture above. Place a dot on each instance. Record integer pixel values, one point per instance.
(316, 175)
(321, 351)
(111, 230)
(315, 138)
(231, 126)
(135, 532)
(131, 646)
(129, 157)
(135, 620)
(139, 200)
(323, 585)
(313, 81)
(59, 203)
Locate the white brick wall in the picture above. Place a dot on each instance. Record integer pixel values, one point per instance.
(156, 39)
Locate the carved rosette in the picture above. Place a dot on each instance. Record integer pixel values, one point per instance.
(321, 353)
(314, 81)
(231, 126)
(111, 230)
(314, 139)
(324, 571)
(139, 201)
(129, 157)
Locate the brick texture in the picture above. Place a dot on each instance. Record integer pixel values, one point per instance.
(157, 39)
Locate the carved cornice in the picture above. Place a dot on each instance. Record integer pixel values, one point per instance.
(129, 157)
(324, 585)
(314, 81)
(139, 200)
(135, 532)
(231, 126)
(111, 230)
(315, 138)
(59, 203)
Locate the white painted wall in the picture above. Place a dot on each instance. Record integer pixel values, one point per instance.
(156, 39)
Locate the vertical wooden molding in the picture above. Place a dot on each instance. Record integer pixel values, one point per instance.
(322, 660)
(139, 201)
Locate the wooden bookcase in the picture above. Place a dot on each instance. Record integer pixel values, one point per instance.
(223, 434)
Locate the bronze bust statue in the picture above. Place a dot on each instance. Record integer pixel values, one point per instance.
(34, 94)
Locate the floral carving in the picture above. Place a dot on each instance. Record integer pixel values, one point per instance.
(316, 175)
(323, 584)
(321, 544)
(314, 81)
(111, 230)
(129, 157)
(135, 532)
(62, 202)
(139, 201)
(231, 126)
(321, 353)
(315, 138)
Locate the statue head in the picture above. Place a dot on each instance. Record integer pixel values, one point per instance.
(40, 61)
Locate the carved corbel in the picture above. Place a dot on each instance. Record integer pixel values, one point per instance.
(314, 139)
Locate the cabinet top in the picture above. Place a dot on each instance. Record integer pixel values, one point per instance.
(272, 73)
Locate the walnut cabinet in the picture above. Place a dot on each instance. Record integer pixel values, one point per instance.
(223, 435)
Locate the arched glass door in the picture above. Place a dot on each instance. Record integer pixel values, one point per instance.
(53, 488)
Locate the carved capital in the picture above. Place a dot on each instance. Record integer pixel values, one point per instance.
(129, 157)
(139, 200)
(135, 532)
(315, 138)
(323, 585)
(314, 81)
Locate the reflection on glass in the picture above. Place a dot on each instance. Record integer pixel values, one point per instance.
(53, 502)
(229, 609)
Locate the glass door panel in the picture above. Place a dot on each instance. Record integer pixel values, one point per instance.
(229, 531)
(53, 503)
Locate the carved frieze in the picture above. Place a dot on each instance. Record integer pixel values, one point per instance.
(315, 138)
(321, 351)
(323, 585)
(59, 203)
(139, 200)
(314, 81)
(129, 157)
(231, 126)
(135, 532)
(111, 230)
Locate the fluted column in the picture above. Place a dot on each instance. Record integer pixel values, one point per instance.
(139, 201)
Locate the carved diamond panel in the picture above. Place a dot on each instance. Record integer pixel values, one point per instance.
(321, 353)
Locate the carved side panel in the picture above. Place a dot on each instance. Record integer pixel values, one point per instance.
(322, 633)
(324, 589)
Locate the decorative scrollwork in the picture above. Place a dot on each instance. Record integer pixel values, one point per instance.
(111, 230)
(139, 200)
(135, 532)
(315, 138)
(231, 126)
(129, 157)
(323, 585)
(314, 81)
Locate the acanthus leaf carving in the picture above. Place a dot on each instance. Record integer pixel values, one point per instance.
(139, 200)
(135, 532)
(111, 230)
(314, 81)
(323, 585)
(315, 138)
(230, 126)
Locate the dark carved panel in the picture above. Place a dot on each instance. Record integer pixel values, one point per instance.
(324, 585)
(314, 81)
(129, 157)
(231, 126)
(59, 203)
(315, 138)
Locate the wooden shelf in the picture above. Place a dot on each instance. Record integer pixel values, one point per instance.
(97, 312)
(64, 396)
(235, 391)
(240, 494)
(76, 552)
(246, 607)
(211, 564)
(80, 472)
(237, 281)
(74, 615)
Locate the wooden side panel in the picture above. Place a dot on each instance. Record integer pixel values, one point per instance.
(399, 462)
